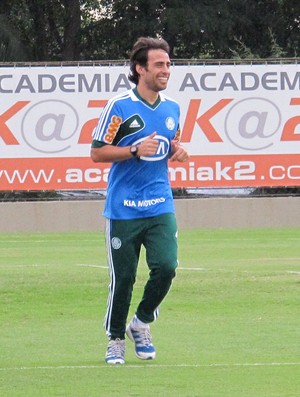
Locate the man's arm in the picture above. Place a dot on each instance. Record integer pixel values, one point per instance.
(110, 153)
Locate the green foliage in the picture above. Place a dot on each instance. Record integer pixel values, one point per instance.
(41, 30)
(276, 51)
(241, 51)
(11, 48)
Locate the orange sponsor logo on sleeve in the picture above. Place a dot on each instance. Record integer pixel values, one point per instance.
(177, 135)
(112, 129)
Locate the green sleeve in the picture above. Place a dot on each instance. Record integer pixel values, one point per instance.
(96, 144)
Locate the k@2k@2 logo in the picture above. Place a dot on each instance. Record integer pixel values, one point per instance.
(252, 123)
(49, 125)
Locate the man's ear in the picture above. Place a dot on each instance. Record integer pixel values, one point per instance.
(139, 69)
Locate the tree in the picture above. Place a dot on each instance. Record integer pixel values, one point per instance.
(47, 30)
(11, 48)
(123, 22)
(197, 29)
(71, 50)
(291, 27)
(205, 29)
(66, 30)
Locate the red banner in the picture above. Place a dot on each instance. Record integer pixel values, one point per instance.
(199, 172)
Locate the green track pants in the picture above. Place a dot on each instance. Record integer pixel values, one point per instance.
(124, 239)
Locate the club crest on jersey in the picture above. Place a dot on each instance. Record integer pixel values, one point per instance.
(116, 243)
(170, 123)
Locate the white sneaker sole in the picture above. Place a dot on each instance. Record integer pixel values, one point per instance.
(117, 361)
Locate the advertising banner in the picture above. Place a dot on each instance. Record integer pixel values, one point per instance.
(240, 124)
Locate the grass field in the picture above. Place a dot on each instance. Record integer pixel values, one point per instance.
(230, 326)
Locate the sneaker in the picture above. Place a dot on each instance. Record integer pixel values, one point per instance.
(141, 336)
(115, 353)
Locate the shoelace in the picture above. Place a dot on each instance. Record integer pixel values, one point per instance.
(143, 336)
(116, 348)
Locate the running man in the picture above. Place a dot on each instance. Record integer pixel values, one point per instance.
(138, 132)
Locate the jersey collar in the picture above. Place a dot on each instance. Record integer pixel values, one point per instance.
(153, 106)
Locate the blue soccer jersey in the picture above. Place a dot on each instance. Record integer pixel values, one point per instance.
(138, 187)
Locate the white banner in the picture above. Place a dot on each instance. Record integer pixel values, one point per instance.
(240, 123)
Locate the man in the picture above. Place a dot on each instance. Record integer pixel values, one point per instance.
(138, 131)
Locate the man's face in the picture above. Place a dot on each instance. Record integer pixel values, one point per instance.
(156, 74)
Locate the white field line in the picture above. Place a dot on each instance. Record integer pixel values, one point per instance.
(91, 265)
(143, 366)
(267, 259)
(183, 268)
(23, 265)
(105, 267)
(179, 268)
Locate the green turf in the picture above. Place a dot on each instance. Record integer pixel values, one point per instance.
(230, 326)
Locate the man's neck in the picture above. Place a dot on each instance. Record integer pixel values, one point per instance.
(147, 95)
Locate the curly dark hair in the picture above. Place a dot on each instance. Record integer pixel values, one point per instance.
(139, 54)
